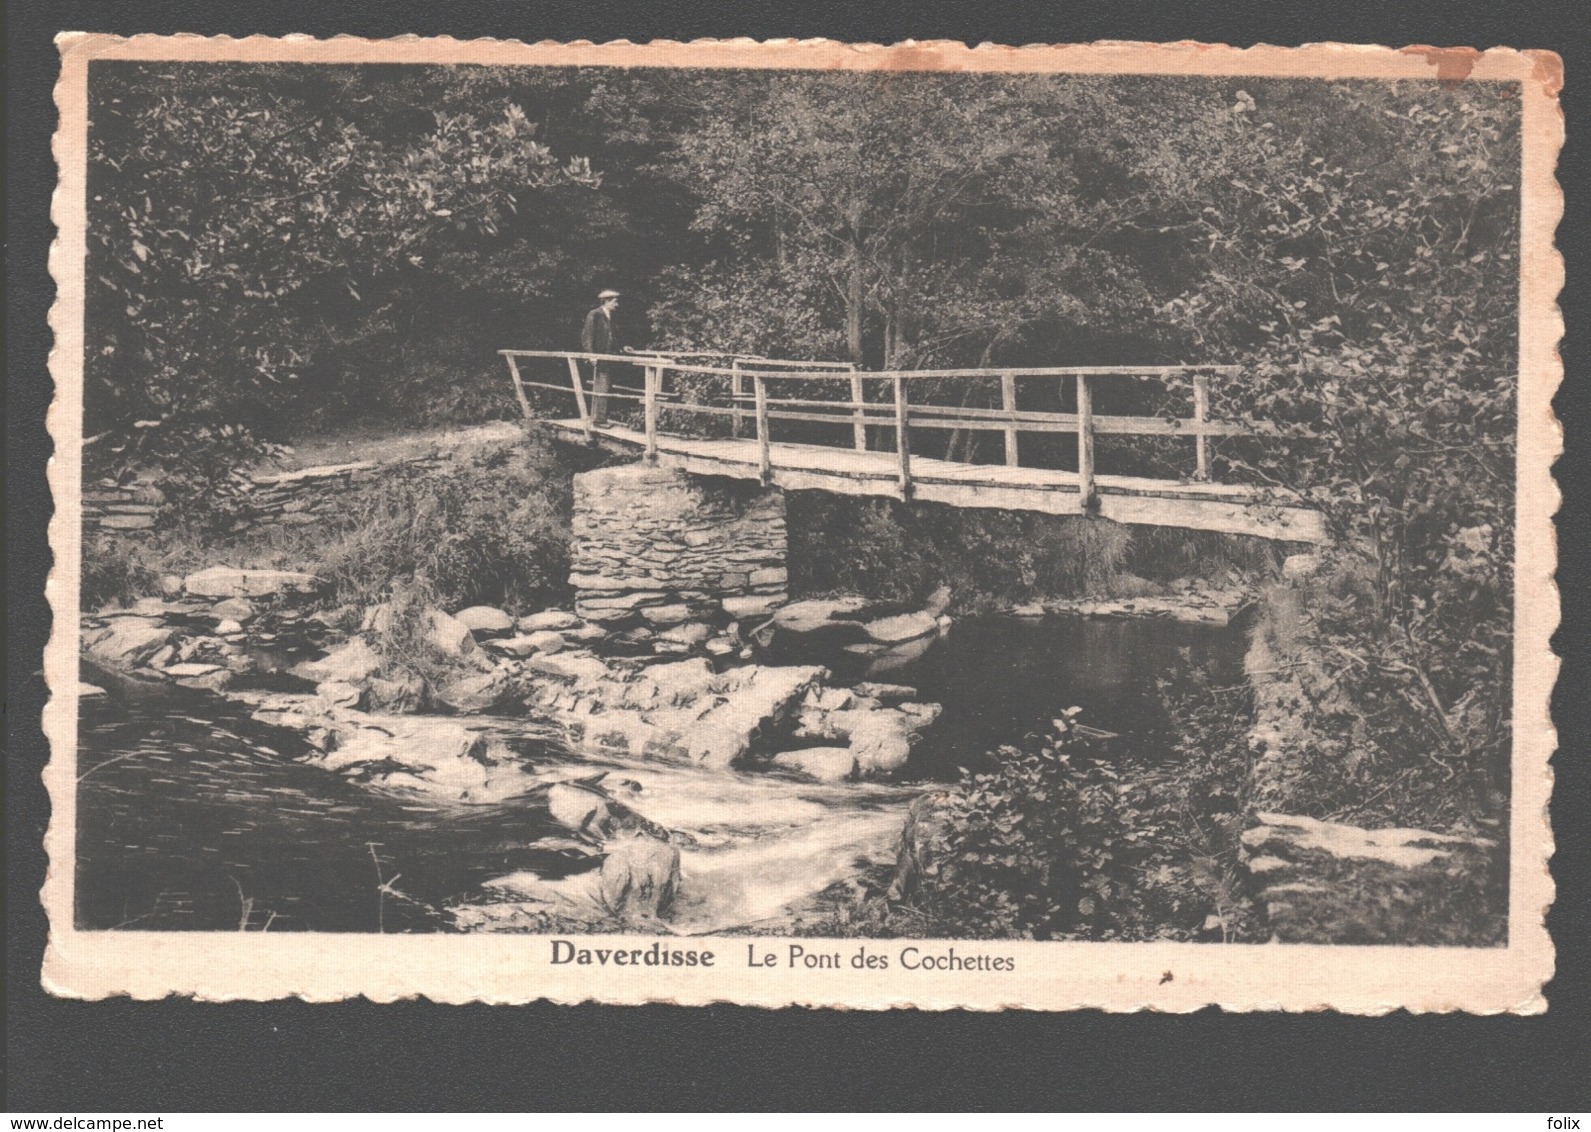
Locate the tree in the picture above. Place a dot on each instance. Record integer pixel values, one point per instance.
(247, 223)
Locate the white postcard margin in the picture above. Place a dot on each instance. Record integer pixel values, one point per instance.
(1044, 976)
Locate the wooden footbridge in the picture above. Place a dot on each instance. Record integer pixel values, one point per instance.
(748, 397)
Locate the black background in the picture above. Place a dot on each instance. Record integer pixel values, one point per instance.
(173, 1056)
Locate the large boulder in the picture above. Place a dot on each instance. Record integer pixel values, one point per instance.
(403, 691)
(229, 581)
(756, 703)
(128, 641)
(640, 877)
(485, 619)
(903, 627)
(826, 764)
(351, 663)
(923, 841)
(448, 635)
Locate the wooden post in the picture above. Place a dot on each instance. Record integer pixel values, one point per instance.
(1085, 443)
(764, 452)
(580, 398)
(1008, 403)
(519, 388)
(1201, 416)
(902, 438)
(737, 390)
(653, 379)
(858, 419)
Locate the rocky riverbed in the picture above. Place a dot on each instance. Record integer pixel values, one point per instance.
(699, 695)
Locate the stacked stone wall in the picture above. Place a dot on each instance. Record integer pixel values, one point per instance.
(660, 546)
(291, 498)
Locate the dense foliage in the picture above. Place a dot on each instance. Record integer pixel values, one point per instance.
(275, 248)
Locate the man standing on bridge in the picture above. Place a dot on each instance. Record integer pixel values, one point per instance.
(598, 336)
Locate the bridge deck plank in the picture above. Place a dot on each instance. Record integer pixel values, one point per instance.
(1233, 508)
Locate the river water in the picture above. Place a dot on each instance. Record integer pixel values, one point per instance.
(192, 815)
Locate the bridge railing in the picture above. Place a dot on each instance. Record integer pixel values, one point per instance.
(895, 412)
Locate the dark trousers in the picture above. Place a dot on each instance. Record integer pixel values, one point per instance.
(601, 384)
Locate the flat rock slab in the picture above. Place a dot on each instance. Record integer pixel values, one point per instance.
(902, 628)
(229, 581)
(1329, 882)
(485, 619)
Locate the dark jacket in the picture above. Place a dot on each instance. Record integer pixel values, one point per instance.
(598, 335)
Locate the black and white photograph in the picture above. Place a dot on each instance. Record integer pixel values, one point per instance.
(852, 524)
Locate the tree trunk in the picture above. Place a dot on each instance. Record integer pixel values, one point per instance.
(853, 306)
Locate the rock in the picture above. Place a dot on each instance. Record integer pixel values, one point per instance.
(640, 877)
(671, 614)
(546, 641)
(570, 667)
(171, 585)
(926, 833)
(448, 634)
(892, 658)
(1331, 883)
(232, 609)
(402, 692)
(1031, 609)
(585, 634)
(577, 807)
(485, 619)
(1298, 566)
(885, 693)
(338, 693)
(752, 606)
(429, 746)
(758, 705)
(228, 581)
(154, 606)
(192, 668)
(692, 634)
(210, 682)
(830, 699)
(681, 682)
(229, 628)
(480, 692)
(352, 663)
(937, 602)
(162, 658)
(881, 744)
(130, 640)
(902, 628)
(527, 644)
(548, 619)
(721, 647)
(90, 691)
(826, 764)
(849, 607)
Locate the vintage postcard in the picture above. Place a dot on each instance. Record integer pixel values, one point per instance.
(803, 524)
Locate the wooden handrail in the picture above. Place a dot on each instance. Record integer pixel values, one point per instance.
(641, 360)
(897, 414)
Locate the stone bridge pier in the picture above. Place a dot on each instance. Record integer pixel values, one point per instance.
(661, 546)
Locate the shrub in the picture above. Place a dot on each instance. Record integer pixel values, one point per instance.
(1038, 848)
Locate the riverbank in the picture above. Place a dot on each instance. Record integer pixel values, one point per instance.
(409, 633)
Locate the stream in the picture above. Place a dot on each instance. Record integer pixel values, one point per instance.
(192, 815)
